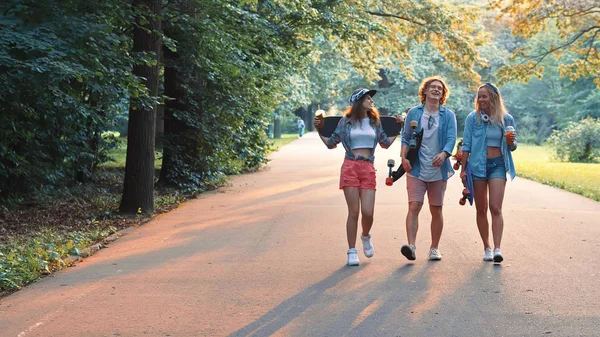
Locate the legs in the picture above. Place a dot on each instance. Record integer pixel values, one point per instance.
(367, 204)
(416, 195)
(497, 187)
(358, 199)
(437, 224)
(352, 195)
(412, 221)
(481, 205)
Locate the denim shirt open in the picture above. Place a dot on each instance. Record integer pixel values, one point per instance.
(342, 134)
(446, 132)
(474, 143)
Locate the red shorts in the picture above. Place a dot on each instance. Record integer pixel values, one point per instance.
(358, 173)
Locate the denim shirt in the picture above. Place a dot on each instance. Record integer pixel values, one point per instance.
(342, 134)
(474, 143)
(446, 133)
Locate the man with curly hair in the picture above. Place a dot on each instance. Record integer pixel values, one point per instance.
(432, 169)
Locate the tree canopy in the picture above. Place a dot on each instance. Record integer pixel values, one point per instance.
(222, 70)
(577, 26)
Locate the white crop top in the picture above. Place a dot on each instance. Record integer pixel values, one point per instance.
(362, 135)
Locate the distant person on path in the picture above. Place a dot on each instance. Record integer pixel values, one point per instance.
(359, 131)
(432, 169)
(487, 146)
(300, 127)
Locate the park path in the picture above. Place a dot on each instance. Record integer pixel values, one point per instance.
(265, 256)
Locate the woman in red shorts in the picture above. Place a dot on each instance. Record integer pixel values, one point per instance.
(359, 131)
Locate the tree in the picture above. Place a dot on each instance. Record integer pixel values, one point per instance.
(579, 142)
(138, 185)
(65, 69)
(577, 22)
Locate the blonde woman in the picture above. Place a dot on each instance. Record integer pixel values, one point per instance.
(487, 150)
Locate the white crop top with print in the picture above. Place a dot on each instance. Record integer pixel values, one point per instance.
(362, 135)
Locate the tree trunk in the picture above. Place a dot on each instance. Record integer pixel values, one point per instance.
(277, 129)
(138, 186)
(383, 84)
(172, 126)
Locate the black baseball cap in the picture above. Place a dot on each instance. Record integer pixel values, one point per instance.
(360, 93)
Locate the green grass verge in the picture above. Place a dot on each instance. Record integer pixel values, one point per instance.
(25, 260)
(537, 163)
(120, 155)
(284, 140)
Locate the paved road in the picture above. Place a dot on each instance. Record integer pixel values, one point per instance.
(266, 256)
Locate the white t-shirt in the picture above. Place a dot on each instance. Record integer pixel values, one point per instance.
(430, 147)
(362, 135)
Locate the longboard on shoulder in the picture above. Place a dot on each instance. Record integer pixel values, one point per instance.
(390, 127)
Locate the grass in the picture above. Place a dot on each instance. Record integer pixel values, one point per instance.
(284, 140)
(537, 163)
(120, 154)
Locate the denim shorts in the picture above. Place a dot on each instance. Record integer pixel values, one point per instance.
(494, 169)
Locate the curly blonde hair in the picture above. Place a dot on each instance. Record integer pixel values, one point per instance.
(425, 84)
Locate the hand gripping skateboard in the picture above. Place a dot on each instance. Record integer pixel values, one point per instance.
(467, 193)
(458, 155)
(329, 123)
(412, 155)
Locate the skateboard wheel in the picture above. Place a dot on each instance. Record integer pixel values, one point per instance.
(389, 181)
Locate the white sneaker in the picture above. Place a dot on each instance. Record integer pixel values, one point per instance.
(409, 252)
(367, 246)
(352, 257)
(488, 255)
(497, 255)
(434, 254)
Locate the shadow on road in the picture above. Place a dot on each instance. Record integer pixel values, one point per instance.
(287, 311)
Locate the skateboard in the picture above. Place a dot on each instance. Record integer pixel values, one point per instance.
(390, 127)
(412, 155)
(467, 193)
(458, 155)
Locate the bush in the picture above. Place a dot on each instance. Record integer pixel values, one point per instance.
(579, 142)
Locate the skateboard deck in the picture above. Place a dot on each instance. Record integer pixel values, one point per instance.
(411, 155)
(390, 127)
(469, 185)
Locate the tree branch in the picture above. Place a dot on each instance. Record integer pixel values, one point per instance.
(389, 15)
(566, 44)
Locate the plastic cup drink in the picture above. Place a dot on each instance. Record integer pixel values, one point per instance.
(510, 131)
(320, 115)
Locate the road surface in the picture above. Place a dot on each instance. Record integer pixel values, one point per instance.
(265, 256)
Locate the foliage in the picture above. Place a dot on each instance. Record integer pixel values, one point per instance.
(576, 23)
(35, 238)
(65, 71)
(26, 260)
(579, 142)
